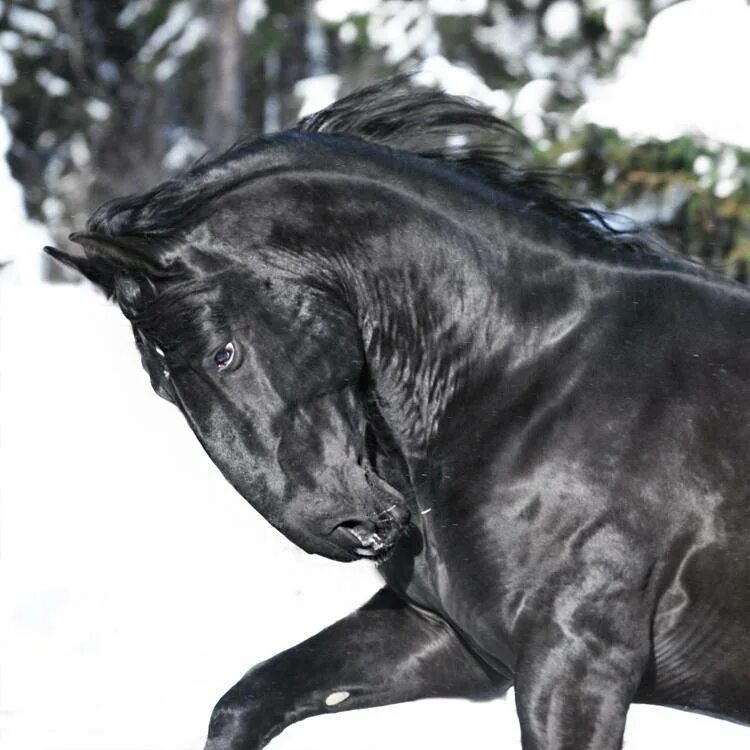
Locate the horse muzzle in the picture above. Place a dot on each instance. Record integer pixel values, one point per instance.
(373, 537)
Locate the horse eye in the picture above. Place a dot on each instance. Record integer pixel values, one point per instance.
(223, 358)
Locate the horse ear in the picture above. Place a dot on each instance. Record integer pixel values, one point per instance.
(106, 258)
(128, 254)
(95, 272)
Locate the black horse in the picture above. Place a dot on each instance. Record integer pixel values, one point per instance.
(405, 350)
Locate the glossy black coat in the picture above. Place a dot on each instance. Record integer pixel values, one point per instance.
(538, 429)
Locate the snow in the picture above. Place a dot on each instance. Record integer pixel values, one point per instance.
(702, 165)
(178, 18)
(97, 109)
(400, 28)
(52, 84)
(53, 209)
(461, 80)
(316, 92)
(561, 20)
(457, 7)
(348, 32)
(250, 13)
(22, 239)
(8, 72)
(529, 106)
(132, 11)
(533, 97)
(80, 154)
(192, 35)
(508, 37)
(166, 68)
(337, 11)
(10, 40)
(183, 151)
(689, 75)
(31, 22)
(621, 17)
(137, 585)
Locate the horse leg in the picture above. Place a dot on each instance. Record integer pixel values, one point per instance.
(578, 674)
(386, 652)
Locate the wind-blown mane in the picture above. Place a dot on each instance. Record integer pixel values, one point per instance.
(461, 133)
(452, 131)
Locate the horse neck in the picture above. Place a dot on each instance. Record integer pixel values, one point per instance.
(440, 306)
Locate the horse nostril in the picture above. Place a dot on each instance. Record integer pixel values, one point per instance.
(360, 535)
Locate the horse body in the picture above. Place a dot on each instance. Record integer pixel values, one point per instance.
(614, 449)
(537, 432)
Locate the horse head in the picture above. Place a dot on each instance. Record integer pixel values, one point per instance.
(262, 353)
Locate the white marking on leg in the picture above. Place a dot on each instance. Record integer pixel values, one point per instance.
(335, 698)
(425, 512)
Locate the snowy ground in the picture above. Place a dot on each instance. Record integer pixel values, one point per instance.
(137, 586)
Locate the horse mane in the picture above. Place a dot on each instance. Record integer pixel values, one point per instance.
(452, 131)
(461, 133)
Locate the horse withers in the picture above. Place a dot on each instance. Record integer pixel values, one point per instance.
(409, 352)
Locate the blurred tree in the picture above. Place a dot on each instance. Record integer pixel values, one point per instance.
(224, 88)
(108, 98)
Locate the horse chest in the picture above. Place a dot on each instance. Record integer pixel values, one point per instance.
(460, 596)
